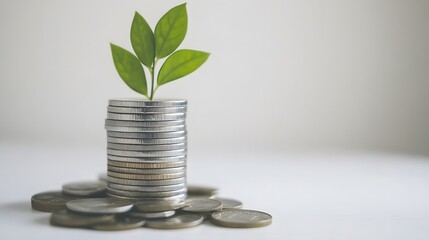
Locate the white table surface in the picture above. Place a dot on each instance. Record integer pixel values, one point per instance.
(310, 196)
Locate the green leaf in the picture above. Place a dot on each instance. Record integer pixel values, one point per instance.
(142, 40)
(181, 63)
(171, 30)
(129, 69)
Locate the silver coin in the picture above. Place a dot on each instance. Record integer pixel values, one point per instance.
(146, 177)
(138, 102)
(241, 218)
(176, 222)
(146, 129)
(171, 153)
(206, 191)
(147, 135)
(66, 218)
(144, 110)
(133, 147)
(146, 182)
(120, 223)
(145, 165)
(149, 215)
(119, 123)
(100, 205)
(158, 206)
(229, 203)
(202, 205)
(146, 117)
(146, 171)
(147, 159)
(147, 188)
(146, 194)
(136, 199)
(84, 188)
(147, 141)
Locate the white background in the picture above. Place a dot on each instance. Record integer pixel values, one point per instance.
(283, 75)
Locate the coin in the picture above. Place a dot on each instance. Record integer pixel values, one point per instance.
(119, 123)
(66, 218)
(241, 218)
(120, 223)
(176, 222)
(147, 189)
(147, 159)
(229, 203)
(195, 190)
(146, 109)
(150, 154)
(146, 177)
(136, 199)
(84, 188)
(138, 135)
(134, 147)
(202, 205)
(100, 205)
(146, 165)
(147, 141)
(146, 129)
(50, 201)
(146, 171)
(136, 102)
(158, 206)
(164, 214)
(146, 194)
(102, 177)
(146, 117)
(146, 182)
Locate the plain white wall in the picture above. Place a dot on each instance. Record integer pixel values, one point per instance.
(283, 75)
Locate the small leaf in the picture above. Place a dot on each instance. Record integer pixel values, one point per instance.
(142, 40)
(129, 69)
(171, 30)
(181, 63)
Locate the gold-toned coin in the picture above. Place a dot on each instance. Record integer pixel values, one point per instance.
(51, 201)
(241, 218)
(65, 218)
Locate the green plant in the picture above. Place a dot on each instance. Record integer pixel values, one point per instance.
(152, 46)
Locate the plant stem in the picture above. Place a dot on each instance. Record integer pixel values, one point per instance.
(152, 75)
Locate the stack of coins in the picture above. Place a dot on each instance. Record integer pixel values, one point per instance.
(147, 150)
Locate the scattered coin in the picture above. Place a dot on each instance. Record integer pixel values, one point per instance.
(120, 223)
(100, 205)
(84, 188)
(195, 190)
(158, 206)
(138, 102)
(229, 203)
(51, 201)
(202, 205)
(66, 218)
(150, 215)
(145, 165)
(102, 177)
(241, 218)
(176, 222)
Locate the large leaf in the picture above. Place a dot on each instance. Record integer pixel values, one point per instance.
(130, 69)
(143, 40)
(171, 30)
(181, 63)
